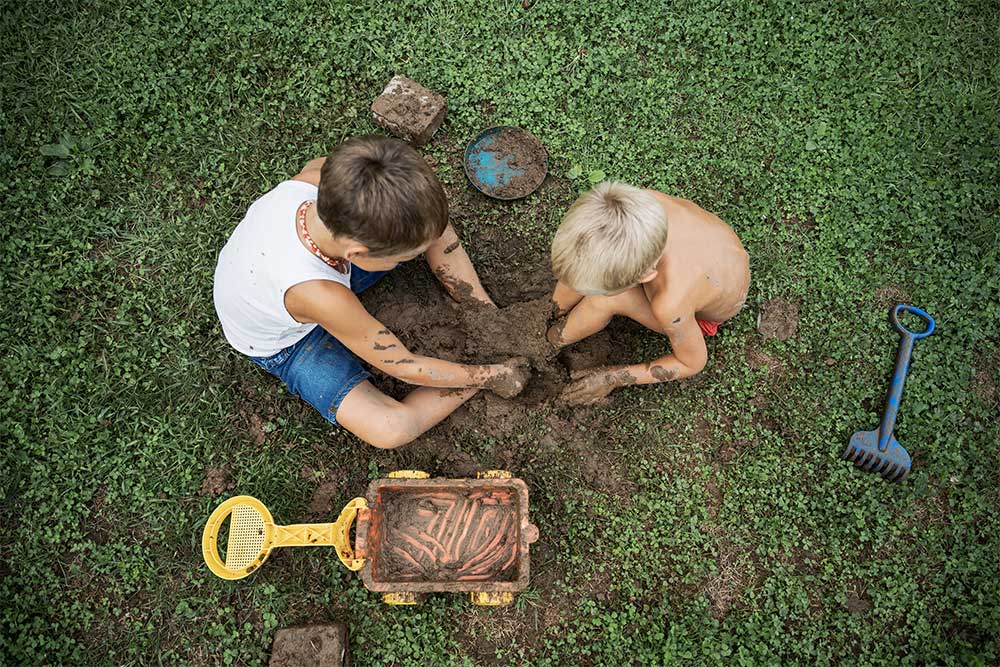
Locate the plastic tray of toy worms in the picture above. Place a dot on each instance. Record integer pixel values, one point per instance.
(449, 535)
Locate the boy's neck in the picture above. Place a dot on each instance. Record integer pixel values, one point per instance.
(321, 236)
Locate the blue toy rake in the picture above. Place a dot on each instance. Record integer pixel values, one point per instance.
(878, 451)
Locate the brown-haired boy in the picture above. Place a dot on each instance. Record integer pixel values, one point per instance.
(287, 281)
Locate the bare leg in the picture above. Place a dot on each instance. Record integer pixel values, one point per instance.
(593, 313)
(387, 423)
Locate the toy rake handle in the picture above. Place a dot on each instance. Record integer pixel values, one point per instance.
(902, 365)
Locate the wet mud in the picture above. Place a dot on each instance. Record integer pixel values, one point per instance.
(469, 332)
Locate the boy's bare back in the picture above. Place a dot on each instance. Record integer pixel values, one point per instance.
(703, 269)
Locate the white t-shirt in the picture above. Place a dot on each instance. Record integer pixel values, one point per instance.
(261, 261)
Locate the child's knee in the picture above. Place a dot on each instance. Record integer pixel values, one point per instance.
(398, 427)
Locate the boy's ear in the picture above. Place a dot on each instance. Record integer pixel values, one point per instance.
(649, 276)
(355, 250)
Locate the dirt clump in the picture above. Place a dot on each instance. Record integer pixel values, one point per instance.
(408, 110)
(218, 479)
(778, 318)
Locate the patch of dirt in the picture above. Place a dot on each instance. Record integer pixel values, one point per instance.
(757, 359)
(323, 498)
(218, 480)
(889, 295)
(857, 599)
(731, 450)
(983, 380)
(735, 574)
(596, 352)
(778, 318)
(98, 528)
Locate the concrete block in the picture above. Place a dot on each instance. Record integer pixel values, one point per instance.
(409, 111)
(311, 646)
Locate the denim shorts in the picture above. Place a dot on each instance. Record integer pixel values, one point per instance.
(318, 368)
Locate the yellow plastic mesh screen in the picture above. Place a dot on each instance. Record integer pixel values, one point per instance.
(246, 537)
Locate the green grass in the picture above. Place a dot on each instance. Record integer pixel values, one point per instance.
(853, 146)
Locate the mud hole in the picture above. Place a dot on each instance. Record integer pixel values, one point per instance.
(414, 307)
(489, 431)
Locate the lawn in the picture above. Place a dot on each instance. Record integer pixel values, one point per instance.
(854, 148)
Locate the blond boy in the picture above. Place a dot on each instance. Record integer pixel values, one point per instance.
(659, 260)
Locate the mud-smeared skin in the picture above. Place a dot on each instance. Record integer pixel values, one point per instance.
(376, 346)
(662, 374)
(554, 334)
(590, 387)
(512, 381)
(460, 290)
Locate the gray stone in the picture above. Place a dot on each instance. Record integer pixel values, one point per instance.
(409, 111)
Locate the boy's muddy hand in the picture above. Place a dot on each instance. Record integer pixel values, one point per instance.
(592, 386)
(554, 335)
(511, 377)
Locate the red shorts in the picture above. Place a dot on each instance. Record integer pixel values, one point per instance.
(708, 328)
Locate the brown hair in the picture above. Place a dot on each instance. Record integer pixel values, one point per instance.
(380, 192)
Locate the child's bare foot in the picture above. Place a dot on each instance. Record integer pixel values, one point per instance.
(511, 379)
(592, 385)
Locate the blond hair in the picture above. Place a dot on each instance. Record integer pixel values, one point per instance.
(609, 239)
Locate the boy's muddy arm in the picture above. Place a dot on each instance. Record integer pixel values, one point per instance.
(338, 310)
(563, 299)
(688, 358)
(452, 266)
